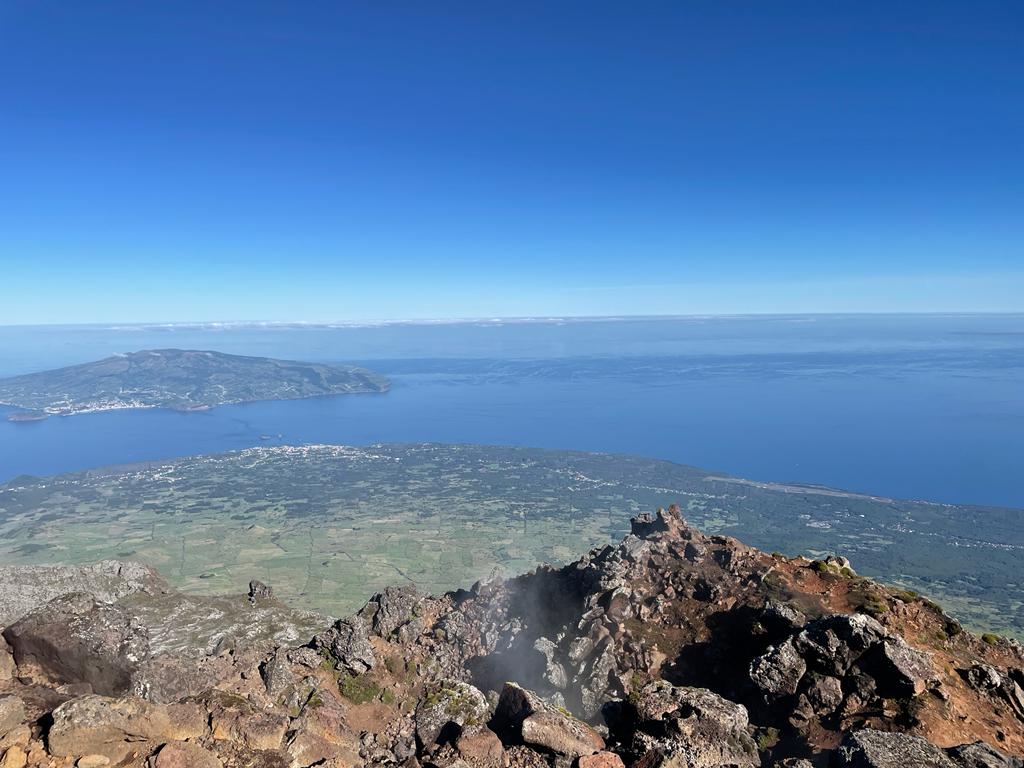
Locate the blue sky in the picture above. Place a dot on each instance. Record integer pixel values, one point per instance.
(361, 160)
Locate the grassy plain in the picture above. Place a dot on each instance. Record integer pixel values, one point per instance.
(329, 525)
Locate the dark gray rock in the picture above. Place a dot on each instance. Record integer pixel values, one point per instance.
(830, 645)
(905, 671)
(695, 552)
(983, 677)
(348, 643)
(521, 716)
(391, 609)
(554, 672)
(259, 591)
(277, 674)
(305, 656)
(592, 681)
(778, 672)
(781, 618)
(691, 727)
(824, 694)
(981, 755)
(878, 749)
(77, 639)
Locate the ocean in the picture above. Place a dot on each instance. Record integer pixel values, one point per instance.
(908, 406)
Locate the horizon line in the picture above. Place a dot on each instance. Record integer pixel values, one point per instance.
(492, 320)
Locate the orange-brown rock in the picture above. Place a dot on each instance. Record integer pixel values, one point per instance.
(182, 754)
(601, 760)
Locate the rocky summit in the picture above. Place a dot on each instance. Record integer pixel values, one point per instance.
(673, 649)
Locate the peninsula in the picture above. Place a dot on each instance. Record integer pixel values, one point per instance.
(185, 380)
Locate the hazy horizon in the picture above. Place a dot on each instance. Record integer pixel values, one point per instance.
(201, 324)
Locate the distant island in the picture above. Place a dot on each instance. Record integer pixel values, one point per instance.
(180, 379)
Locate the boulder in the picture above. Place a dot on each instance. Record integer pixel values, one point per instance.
(905, 671)
(523, 716)
(645, 525)
(167, 678)
(7, 668)
(444, 712)
(234, 719)
(323, 716)
(259, 591)
(306, 749)
(349, 644)
(778, 671)
(981, 755)
(183, 754)
(554, 672)
(830, 645)
(114, 728)
(781, 618)
(306, 656)
(840, 563)
(601, 760)
(12, 714)
(824, 693)
(391, 609)
(560, 733)
(678, 727)
(14, 757)
(77, 639)
(20, 735)
(593, 680)
(276, 673)
(879, 749)
(983, 677)
(480, 746)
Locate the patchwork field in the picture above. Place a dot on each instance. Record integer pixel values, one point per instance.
(329, 525)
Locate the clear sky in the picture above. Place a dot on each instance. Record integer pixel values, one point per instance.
(356, 160)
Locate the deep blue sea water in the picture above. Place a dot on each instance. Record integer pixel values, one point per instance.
(909, 406)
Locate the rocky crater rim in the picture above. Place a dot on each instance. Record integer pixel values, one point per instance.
(671, 648)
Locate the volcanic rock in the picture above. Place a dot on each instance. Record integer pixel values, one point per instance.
(779, 671)
(480, 746)
(259, 591)
(391, 609)
(7, 667)
(878, 749)
(77, 639)
(183, 754)
(523, 716)
(12, 714)
(691, 727)
(673, 648)
(276, 673)
(981, 755)
(442, 713)
(116, 728)
(349, 645)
